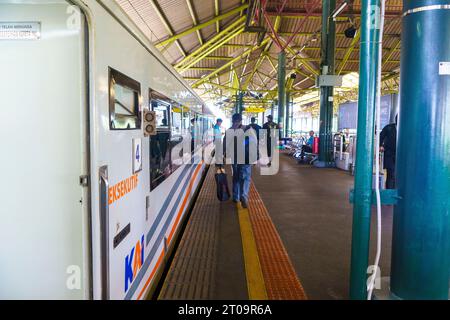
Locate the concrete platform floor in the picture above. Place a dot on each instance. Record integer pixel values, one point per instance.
(312, 213)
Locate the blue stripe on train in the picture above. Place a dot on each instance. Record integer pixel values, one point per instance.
(164, 207)
(158, 242)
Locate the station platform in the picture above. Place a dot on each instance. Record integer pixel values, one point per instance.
(292, 243)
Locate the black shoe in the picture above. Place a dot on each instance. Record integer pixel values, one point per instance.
(244, 203)
(235, 201)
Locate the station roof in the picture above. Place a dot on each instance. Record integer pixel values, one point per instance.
(221, 46)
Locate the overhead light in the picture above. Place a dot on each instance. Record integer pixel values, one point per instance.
(338, 10)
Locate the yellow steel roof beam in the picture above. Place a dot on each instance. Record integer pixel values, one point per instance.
(339, 35)
(263, 83)
(303, 60)
(271, 63)
(166, 24)
(289, 83)
(200, 26)
(236, 84)
(337, 49)
(202, 68)
(232, 89)
(297, 70)
(217, 58)
(349, 51)
(263, 54)
(211, 42)
(252, 73)
(194, 19)
(226, 65)
(391, 52)
(354, 43)
(213, 48)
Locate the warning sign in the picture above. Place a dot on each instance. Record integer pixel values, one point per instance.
(20, 30)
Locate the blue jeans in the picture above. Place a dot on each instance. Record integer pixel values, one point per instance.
(242, 174)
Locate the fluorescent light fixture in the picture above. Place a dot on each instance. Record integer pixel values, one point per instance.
(337, 11)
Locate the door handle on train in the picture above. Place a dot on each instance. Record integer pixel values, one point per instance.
(104, 229)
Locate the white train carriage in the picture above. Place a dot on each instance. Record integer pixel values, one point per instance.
(89, 205)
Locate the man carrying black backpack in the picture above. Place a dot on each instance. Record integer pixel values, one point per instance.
(240, 146)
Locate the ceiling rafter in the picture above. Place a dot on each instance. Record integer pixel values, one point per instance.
(231, 59)
(175, 37)
(239, 57)
(166, 23)
(194, 19)
(211, 45)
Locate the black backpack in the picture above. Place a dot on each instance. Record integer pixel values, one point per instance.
(223, 193)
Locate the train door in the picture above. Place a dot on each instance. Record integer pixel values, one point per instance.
(44, 160)
(123, 182)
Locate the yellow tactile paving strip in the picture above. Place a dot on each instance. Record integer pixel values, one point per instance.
(253, 272)
(268, 269)
(280, 279)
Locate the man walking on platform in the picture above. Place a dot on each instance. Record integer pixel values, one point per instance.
(255, 126)
(240, 141)
(388, 145)
(269, 126)
(217, 129)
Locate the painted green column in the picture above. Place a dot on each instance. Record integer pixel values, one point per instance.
(239, 107)
(281, 89)
(287, 122)
(272, 109)
(421, 238)
(369, 51)
(291, 123)
(327, 65)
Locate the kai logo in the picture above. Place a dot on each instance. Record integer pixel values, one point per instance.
(133, 262)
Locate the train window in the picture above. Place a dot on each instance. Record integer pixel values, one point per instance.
(124, 95)
(185, 122)
(162, 110)
(176, 120)
(176, 132)
(196, 131)
(160, 145)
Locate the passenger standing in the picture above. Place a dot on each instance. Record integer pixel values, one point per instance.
(255, 126)
(217, 128)
(194, 141)
(269, 126)
(242, 172)
(388, 145)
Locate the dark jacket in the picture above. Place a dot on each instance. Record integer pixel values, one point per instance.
(388, 140)
(250, 141)
(256, 128)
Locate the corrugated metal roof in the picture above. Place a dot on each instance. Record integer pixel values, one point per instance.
(156, 17)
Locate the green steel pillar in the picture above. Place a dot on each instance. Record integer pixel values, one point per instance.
(421, 227)
(281, 89)
(272, 109)
(287, 128)
(239, 107)
(370, 47)
(291, 123)
(326, 93)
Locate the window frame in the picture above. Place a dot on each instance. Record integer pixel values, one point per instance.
(117, 77)
(155, 95)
